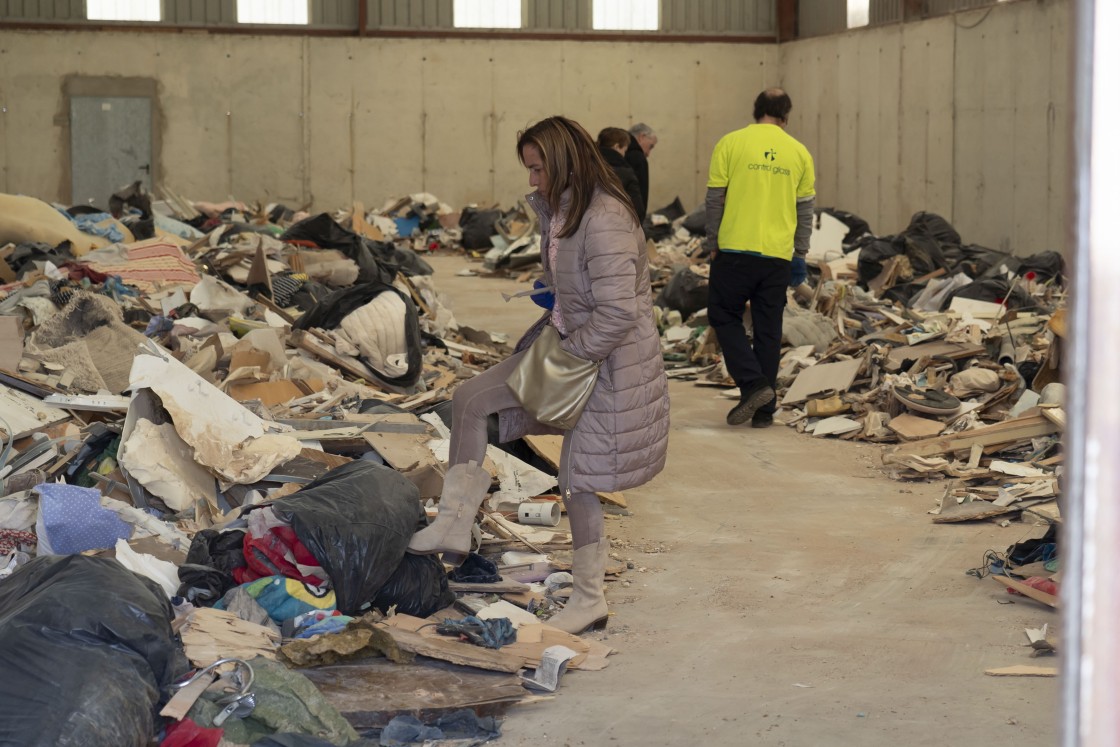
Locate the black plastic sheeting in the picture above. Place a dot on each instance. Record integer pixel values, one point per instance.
(377, 260)
(207, 573)
(418, 587)
(329, 312)
(671, 212)
(478, 226)
(356, 520)
(87, 654)
(686, 292)
(857, 226)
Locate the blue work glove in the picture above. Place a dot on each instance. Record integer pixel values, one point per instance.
(797, 271)
(545, 300)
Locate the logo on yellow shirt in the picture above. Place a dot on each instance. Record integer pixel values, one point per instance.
(770, 155)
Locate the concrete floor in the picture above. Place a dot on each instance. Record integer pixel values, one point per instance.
(793, 595)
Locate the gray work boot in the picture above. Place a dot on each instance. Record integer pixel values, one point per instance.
(464, 488)
(587, 607)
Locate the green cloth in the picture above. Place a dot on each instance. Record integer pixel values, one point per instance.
(287, 702)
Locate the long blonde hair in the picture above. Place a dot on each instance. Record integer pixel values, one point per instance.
(572, 162)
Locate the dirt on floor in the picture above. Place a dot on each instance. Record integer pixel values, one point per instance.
(786, 592)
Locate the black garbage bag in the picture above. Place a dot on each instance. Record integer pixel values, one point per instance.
(993, 290)
(1045, 265)
(418, 587)
(934, 226)
(133, 196)
(872, 255)
(207, 573)
(356, 520)
(476, 570)
(460, 727)
(924, 252)
(312, 292)
(975, 260)
(377, 260)
(671, 212)
(27, 254)
(858, 228)
(280, 213)
(329, 312)
(686, 292)
(478, 226)
(87, 652)
(326, 233)
(695, 222)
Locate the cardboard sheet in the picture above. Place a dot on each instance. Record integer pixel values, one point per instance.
(11, 342)
(823, 377)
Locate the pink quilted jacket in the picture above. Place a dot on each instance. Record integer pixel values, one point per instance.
(601, 282)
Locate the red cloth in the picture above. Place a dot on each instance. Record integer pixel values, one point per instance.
(266, 556)
(187, 733)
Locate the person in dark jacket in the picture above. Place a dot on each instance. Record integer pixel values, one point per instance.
(613, 142)
(642, 140)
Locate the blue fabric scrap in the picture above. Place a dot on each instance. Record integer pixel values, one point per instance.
(75, 520)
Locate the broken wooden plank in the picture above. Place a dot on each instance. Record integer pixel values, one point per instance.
(548, 448)
(211, 634)
(1009, 431)
(304, 341)
(370, 693)
(466, 654)
(1048, 512)
(1055, 415)
(1022, 670)
(973, 511)
(182, 700)
(505, 586)
(951, 350)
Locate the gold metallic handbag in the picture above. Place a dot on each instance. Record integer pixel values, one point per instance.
(552, 384)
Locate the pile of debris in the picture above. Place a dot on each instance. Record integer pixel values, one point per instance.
(221, 425)
(948, 352)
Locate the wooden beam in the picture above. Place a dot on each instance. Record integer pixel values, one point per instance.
(787, 20)
(1009, 431)
(449, 649)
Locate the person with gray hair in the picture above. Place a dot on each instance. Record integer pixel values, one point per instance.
(642, 140)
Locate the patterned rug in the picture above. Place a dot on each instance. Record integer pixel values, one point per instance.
(152, 264)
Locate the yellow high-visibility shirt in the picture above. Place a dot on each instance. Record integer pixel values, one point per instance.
(766, 172)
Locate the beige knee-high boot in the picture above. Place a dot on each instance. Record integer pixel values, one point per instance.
(587, 607)
(464, 488)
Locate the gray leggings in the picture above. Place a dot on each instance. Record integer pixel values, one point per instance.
(487, 393)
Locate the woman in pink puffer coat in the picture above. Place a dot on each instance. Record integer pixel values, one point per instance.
(594, 258)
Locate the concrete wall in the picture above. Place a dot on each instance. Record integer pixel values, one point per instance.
(329, 120)
(965, 115)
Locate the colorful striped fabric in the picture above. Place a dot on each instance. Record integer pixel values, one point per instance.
(153, 264)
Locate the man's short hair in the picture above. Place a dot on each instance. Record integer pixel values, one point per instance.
(612, 137)
(773, 102)
(641, 129)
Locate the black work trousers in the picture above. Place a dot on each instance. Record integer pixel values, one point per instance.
(735, 280)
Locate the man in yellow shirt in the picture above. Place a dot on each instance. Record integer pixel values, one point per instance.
(759, 210)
